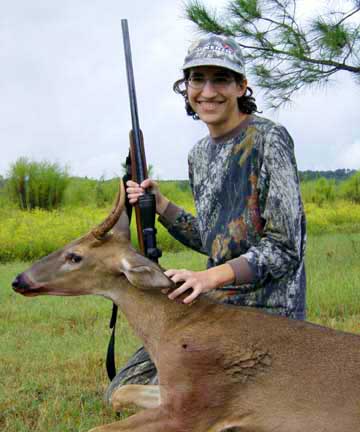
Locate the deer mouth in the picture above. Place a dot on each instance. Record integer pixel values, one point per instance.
(22, 284)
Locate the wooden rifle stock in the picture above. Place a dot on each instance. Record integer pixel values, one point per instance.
(134, 177)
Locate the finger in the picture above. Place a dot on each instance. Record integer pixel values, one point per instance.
(190, 298)
(134, 190)
(165, 290)
(181, 277)
(133, 200)
(131, 183)
(134, 195)
(172, 272)
(148, 183)
(184, 287)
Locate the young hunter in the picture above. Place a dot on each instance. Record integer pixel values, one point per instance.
(249, 215)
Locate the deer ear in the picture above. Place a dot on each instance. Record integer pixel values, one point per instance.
(143, 273)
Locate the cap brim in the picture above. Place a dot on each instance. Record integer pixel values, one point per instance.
(214, 62)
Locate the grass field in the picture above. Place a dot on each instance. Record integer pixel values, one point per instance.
(52, 375)
(28, 235)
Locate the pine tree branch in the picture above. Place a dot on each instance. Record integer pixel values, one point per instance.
(348, 16)
(282, 57)
(341, 66)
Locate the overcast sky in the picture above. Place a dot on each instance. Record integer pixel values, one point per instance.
(63, 90)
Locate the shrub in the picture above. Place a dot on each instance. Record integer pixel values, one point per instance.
(2, 182)
(319, 191)
(37, 184)
(350, 189)
(179, 192)
(106, 191)
(80, 192)
(101, 193)
(340, 217)
(90, 192)
(30, 235)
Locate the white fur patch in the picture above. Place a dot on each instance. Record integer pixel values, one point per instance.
(126, 265)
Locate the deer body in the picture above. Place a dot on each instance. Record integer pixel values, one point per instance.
(274, 373)
(221, 368)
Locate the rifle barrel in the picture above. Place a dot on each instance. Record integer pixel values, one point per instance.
(136, 131)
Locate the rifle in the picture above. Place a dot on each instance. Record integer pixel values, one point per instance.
(145, 209)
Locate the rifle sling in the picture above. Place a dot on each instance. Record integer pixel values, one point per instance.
(110, 355)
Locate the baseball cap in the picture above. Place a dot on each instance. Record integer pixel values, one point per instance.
(215, 50)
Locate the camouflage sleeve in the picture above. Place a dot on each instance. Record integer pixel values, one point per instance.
(280, 249)
(183, 226)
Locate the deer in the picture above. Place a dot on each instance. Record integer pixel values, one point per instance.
(221, 368)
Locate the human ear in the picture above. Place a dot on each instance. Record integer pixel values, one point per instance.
(242, 87)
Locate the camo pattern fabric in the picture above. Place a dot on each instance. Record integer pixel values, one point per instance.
(215, 50)
(247, 197)
(138, 370)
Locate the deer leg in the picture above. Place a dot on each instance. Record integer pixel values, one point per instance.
(152, 420)
(140, 396)
(139, 370)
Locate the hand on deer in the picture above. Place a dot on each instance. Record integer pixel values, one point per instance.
(200, 282)
(134, 190)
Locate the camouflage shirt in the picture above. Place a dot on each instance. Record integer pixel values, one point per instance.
(247, 198)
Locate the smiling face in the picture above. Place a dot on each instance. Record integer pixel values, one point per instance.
(213, 92)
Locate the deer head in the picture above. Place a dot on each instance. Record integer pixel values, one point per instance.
(94, 264)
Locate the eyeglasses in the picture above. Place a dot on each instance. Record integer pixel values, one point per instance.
(218, 83)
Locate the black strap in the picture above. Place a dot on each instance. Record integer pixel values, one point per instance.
(110, 355)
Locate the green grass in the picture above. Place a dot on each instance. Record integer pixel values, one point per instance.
(28, 235)
(333, 280)
(52, 355)
(52, 375)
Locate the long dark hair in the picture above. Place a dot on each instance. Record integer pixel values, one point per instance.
(246, 103)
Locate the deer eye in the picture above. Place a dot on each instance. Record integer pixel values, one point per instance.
(73, 258)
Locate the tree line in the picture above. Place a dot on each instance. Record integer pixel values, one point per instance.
(337, 175)
(49, 186)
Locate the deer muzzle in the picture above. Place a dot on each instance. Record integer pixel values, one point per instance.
(23, 285)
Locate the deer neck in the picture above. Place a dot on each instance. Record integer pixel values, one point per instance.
(150, 313)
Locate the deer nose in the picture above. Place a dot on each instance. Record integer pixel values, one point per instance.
(19, 283)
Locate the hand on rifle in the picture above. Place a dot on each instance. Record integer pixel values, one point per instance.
(134, 190)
